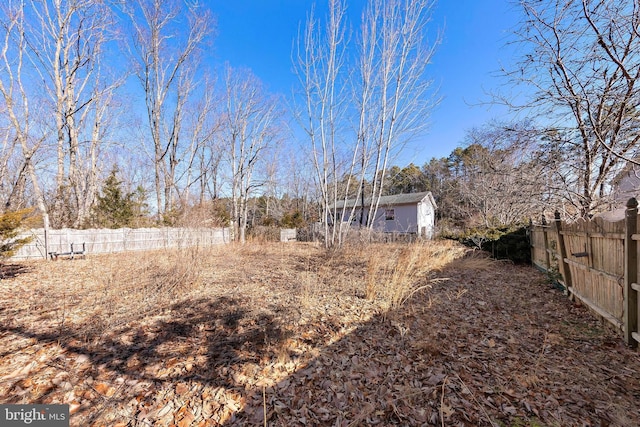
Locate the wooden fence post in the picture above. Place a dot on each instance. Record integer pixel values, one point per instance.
(530, 231)
(562, 251)
(631, 274)
(545, 238)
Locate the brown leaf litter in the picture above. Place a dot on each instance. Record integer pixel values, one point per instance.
(231, 336)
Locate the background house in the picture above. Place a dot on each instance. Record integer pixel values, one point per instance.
(401, 213)
(624, 186)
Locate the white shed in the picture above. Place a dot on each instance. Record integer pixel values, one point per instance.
(412, 213)
(626, 185)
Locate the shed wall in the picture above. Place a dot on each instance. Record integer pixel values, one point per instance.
(408, 219)
(426, 220)
(405, 221)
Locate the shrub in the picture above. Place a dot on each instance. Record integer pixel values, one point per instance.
(502, 242)
(261, 233)
(293, 219)
(11, 224)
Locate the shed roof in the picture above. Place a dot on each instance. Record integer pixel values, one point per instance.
(394, 200)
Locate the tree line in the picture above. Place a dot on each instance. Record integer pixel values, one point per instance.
(90, 85)
(111, 114)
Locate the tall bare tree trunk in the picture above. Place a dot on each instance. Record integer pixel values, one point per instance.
(166, 69)
(397, 53)
(392, 99)
(249, 128)
(319, 64)
(16, 102)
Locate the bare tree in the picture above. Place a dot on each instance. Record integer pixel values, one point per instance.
(581, 65)
(65, 41)
(390, 101)
(12, 185)
(17, 111)
(98, 121)
(249, 127)
(167, 38)
(394, 95)
(498, 177)
(319, 65)
(203, 155)
(297, 181)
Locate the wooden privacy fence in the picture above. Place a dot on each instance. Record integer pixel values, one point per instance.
(597, 262)
(100, 241)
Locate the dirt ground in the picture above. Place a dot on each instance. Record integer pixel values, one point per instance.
(231, 336)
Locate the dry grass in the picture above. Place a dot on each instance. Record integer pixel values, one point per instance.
(112, 290)
(395, 275)
(115, 290)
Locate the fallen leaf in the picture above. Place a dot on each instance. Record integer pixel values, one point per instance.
(181, 389)
(447, 410)
(105, 389)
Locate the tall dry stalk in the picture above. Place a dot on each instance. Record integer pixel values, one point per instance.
(395, 276)
(375, 272)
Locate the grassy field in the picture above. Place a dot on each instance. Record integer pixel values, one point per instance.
(293, 335)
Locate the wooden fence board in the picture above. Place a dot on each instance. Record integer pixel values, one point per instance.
(598, 264)
(630, 295)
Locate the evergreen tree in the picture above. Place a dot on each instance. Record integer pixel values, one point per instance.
(115, 208)
(11, 224)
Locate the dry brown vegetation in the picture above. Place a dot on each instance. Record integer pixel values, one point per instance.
(292, 335)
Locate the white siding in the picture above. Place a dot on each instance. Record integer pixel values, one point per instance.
(417, 218)
(627, 187)
(405, 221)
(426, 219)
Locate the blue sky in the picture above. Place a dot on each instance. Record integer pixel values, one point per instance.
(259, 34)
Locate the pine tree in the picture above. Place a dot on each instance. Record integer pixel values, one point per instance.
(115, 208)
